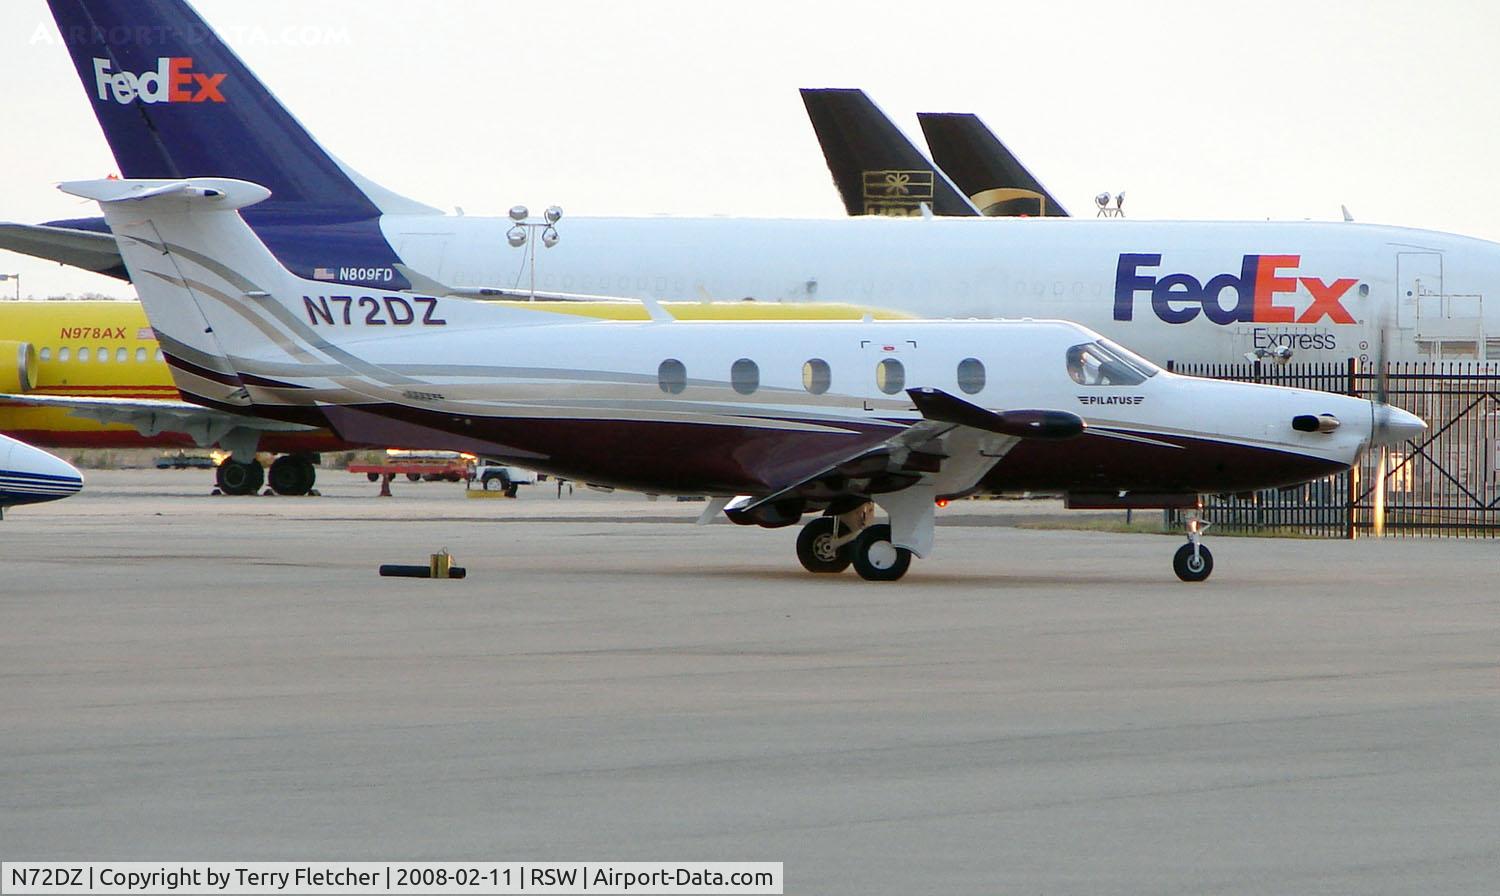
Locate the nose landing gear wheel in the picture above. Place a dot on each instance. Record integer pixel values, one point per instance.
(816, 550)
(876, 559)
(1190, 568)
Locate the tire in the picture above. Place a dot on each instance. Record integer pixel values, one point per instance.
(291, 475)
(235, 478)
(876, 559)
(373, 477)
(1190, 569)
(414, 477)
(493, 483)
(815, 550)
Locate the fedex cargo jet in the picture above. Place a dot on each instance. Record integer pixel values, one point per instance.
(175, 102)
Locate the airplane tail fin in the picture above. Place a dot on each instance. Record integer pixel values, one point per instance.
(175, 102)
(876, 168)
(241, 332)
(988, 173)
(194, 301)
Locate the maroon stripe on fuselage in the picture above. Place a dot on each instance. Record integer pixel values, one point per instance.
(650, 456)
(682, 458)
(1097, 463)
(204, 372)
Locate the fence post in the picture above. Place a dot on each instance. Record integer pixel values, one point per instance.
(1352, 499)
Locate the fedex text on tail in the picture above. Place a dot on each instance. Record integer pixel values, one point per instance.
(172, 81)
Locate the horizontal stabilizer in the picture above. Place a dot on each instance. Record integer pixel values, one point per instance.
(939, 406)
(217, 192)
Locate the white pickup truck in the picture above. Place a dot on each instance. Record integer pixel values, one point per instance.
(491, 475)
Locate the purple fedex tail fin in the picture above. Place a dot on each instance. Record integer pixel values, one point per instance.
(175, 102)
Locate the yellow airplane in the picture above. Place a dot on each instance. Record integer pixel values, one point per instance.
(89, 374)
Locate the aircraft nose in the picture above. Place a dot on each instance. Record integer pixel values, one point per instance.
(59, 476)
(1393, 426)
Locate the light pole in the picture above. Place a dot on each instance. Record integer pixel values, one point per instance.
(15, 277)
(523, 233)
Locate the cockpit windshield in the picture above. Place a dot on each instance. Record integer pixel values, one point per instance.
(1103, 363)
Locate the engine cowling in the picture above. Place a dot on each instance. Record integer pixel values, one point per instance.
(18, 367)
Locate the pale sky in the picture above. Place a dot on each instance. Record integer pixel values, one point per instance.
(1198, 110)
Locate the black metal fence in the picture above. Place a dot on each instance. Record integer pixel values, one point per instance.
(1445, 484)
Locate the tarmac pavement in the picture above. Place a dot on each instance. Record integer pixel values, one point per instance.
(192, 677)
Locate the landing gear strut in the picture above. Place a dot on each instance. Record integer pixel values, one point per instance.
(1193, 561)
(831, 544)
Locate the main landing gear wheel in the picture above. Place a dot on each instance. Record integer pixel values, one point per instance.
(876, 559)
(1190, 567)
(816, 549)
(292, 475)
(235, 478)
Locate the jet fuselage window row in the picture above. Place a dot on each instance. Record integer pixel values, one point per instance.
(817, 376)
(85, 354)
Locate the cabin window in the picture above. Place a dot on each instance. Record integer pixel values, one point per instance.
(121, 355)
(159, 358)
(83, 355)
(890, 376)
(46, 354)
(63, 354)
(671, 376)
(816, 376)
(971, 375)
(140, 356)
(1103, 363)
(103, 355)
(744, 376)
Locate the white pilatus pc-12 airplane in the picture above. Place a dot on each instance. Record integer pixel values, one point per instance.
(773, 419)
(174, 101)
(30, 475)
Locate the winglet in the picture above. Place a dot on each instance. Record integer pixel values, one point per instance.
(937, 405)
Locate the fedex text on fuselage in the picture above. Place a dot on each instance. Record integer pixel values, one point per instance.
(1258, 294)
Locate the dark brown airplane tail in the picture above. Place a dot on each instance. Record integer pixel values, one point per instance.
(988, 173)
(876, 168)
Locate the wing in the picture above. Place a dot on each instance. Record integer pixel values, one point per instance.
(946, 453)
(154, 416)
(85, 249)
